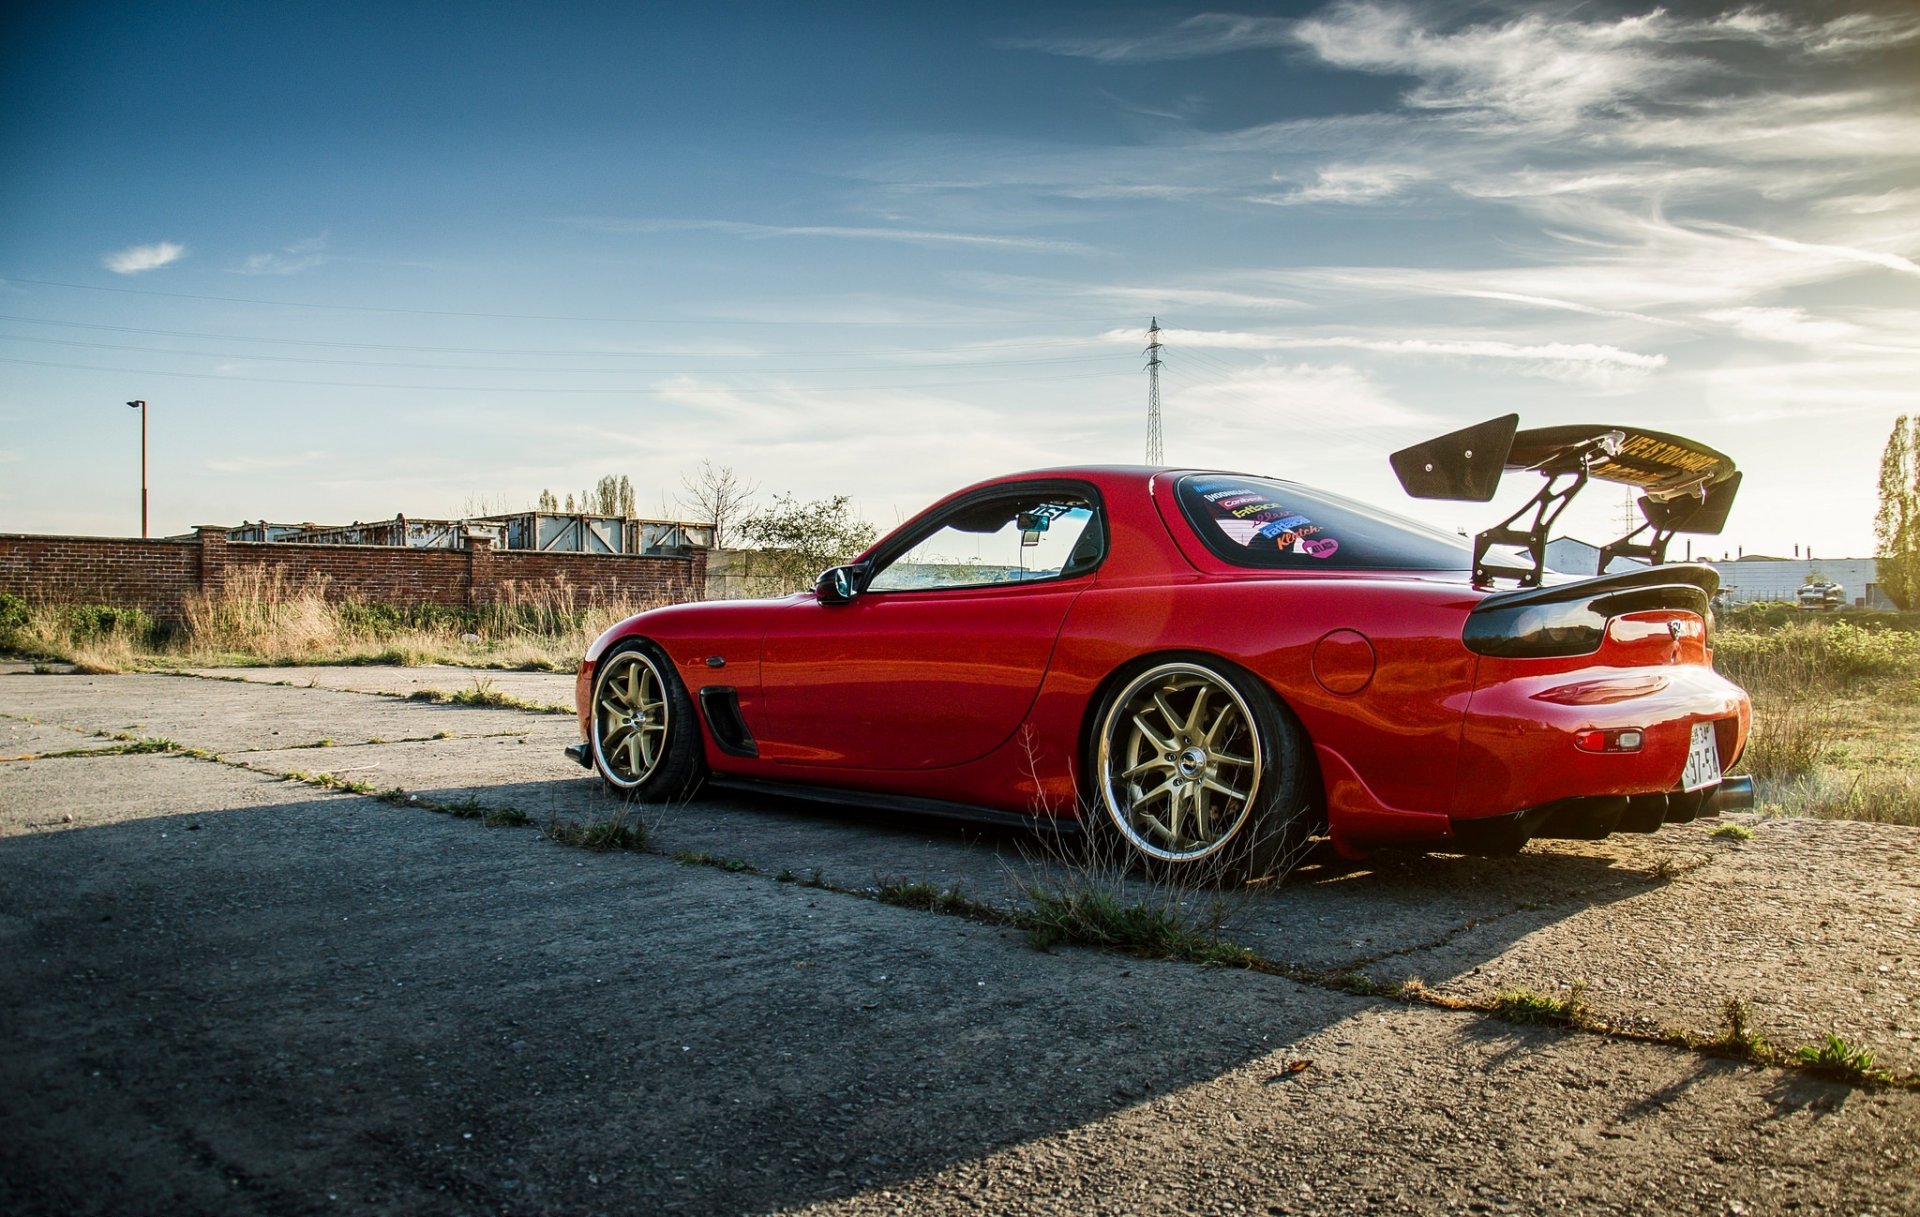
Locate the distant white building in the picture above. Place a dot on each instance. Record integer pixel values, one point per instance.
(1744, 579)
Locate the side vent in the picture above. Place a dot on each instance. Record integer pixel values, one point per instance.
(721, 706)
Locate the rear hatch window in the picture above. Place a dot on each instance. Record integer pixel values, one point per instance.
(1270, 524)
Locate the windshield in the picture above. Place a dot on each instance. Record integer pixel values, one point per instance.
(1261, 522)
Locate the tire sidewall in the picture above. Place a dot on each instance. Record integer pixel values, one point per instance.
(682, 765)
(1275, 829)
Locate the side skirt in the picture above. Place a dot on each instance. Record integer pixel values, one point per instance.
(913, 804)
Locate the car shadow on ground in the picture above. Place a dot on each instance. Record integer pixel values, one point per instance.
(248, 1010)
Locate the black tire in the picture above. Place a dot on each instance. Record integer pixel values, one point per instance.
(644, 738)
(1202, 772)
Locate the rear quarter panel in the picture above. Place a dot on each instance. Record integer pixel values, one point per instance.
(1399, 731)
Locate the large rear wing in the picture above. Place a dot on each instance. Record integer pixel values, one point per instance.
(1688, 486)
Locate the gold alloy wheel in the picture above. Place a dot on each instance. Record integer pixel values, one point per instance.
(1179, 762)
(630, 719)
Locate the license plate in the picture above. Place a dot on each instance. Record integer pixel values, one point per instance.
(1703, 759)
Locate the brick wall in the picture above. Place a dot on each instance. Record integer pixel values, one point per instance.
(158, 576)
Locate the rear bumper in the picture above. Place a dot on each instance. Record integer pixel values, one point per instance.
(1592, 817)
(1518, 753)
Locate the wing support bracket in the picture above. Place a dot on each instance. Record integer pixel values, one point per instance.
(1544, 508)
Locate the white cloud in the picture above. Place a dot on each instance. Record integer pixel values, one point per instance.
(1832, 253)
(289, 259)
(1790, 325)
(1555, 360)
(1351, 184)
(1195, 38)
(137, 258)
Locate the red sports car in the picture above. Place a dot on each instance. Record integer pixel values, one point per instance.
(1218, 667)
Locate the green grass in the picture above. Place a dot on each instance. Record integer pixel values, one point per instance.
(482, 693)
(1529, 1006)
(1733, 832)
(1089, 917)
(735, 866)
(617, 834)
(1836, 1058)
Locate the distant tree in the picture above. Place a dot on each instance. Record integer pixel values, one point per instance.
(717, 497)
(1896, 525)
(794, 541)
(610, 496)
(547, 502)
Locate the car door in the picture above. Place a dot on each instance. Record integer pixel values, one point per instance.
(936, 658)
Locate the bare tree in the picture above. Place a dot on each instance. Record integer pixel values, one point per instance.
(717, 496)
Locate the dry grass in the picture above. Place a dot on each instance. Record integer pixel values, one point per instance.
(1836, 731)
(262, 615)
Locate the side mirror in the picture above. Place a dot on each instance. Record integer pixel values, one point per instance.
(837, 585)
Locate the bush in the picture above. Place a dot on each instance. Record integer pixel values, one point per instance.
(1817, 656)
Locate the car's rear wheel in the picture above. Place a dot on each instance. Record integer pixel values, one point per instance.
(1203, 772)
(645, 742)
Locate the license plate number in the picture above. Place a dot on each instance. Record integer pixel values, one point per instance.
(1703, 759)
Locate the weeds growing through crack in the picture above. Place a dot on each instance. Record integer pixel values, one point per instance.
(618, 833)
(483, 693)
(1835, 1058)
(703, 858)
(950, 900)
(1524, 1005)
(1737, 1036)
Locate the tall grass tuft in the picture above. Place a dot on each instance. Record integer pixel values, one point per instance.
(262, 614)
(93, 637)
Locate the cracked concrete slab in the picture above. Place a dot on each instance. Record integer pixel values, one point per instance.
(544, 688)
(1813, 925)
(232, 716)
(226, 993)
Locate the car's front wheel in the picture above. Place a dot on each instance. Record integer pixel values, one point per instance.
(646, 744)
(1203, 772)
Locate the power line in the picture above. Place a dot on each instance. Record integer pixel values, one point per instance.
(481, 367)
(355, 384)
(582, 353)
(433, 312)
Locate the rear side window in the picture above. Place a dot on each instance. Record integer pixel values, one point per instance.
(1278, 525)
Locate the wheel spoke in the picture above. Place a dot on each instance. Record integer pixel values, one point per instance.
(1198, 708)
(1215, 784)
(1166, 711)
(1165, 745)
(1228, 758)
(1157, 762)
(1219, 720)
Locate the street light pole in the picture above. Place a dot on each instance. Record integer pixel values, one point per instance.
(142, 407)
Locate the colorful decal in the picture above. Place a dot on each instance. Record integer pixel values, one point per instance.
(1249, 516)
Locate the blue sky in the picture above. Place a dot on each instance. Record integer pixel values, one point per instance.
(404, 258)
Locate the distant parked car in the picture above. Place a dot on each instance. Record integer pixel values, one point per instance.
(1821, 595)
(1215, 667)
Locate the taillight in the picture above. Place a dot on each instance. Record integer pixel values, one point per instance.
(1620, 739)
(1536, 630)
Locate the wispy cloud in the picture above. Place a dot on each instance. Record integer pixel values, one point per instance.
(1195, 38)
(289, 259)
(138, 258)
(1351, 184)
(1831, 253)
(1557, 360)
(1791, 325)
(750, 231)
